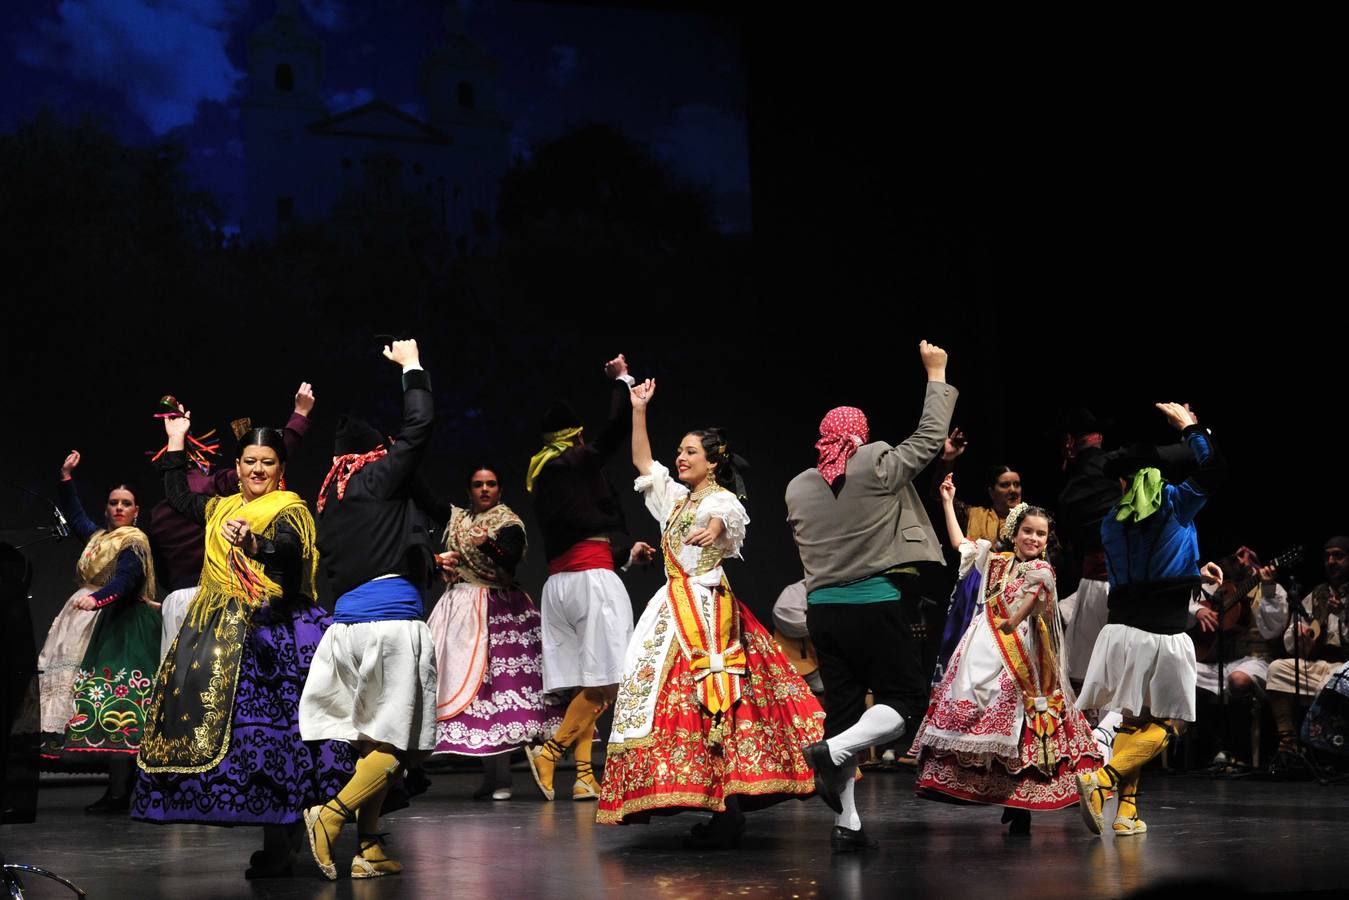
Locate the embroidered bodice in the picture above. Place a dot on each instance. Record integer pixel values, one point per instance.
(670, 503)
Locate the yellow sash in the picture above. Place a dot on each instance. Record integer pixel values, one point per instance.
(715, 654)
(1043, 700)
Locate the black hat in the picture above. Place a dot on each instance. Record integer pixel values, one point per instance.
(1174, 460)
(1080, 421)
(558, 417)
(355, 436)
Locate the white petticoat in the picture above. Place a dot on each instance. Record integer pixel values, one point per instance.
(372, 681)
(586, 624)
(174, 611)
(1084, 615)
(1132, 670)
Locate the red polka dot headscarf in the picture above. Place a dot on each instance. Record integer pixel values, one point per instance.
(842, 431)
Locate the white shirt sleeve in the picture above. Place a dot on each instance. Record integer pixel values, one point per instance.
(1271, 612)
(661, 492)
(725, 506)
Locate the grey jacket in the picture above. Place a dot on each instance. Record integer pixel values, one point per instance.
(877, 521)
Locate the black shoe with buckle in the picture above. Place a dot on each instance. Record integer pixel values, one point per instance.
(845, 840)
(828, 776)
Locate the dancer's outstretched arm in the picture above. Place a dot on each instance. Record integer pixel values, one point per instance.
(641, 444)
(948, 505)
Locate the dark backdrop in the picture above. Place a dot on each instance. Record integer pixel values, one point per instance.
(1114, 223)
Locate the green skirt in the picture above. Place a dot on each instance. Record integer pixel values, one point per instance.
(112, 688)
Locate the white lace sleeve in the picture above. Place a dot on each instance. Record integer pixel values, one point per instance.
(661, 492)
(1040, 578)
(973, 554)
(724, 505)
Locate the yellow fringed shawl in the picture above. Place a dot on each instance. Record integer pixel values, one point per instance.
(228, 575)
(98, 561)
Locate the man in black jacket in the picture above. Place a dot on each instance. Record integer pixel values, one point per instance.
(585, 610)
(373, 679)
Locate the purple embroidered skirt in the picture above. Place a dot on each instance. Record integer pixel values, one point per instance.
(490, 697)
(268, 775)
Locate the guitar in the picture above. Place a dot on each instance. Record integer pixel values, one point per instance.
(1232, 603)
(800, 652)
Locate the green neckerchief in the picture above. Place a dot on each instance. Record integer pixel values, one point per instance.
(1143, 498)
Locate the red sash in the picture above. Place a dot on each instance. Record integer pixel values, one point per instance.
(582, 557)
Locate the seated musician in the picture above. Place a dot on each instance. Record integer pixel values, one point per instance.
(1323, 644)
(789, 630)
(1261, 618)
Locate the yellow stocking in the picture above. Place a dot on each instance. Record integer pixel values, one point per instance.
(368, 783)
(578, 720)
(586, 787)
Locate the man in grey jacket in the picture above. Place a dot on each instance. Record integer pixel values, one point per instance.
(859, 523)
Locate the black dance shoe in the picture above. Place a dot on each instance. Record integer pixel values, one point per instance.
(263, 865)
(109, 805)
(828, 776)
(1017, 820)
(417, 782)
(722, 832)
(845, 840)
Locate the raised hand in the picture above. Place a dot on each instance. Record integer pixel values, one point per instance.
(304, 399)
(616, 367)
(1179, 415)
(954, 446)
(403, 353)
(177, 428)
(641, 394)
(934, 360)
(72, 460)
(947, 489)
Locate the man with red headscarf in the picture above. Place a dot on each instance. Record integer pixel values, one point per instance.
(858, 520)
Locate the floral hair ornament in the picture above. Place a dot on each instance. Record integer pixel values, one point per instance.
(198, 449)
(1013, 521)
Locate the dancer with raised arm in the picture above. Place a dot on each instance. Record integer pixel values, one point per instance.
(373, 681)
(858, 521)
(710, 714)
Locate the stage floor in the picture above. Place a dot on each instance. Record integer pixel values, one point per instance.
(1258, 835)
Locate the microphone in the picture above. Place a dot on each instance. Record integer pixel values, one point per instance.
(62, 529)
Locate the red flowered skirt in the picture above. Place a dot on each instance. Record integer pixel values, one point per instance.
(986, 753)
(679, 766)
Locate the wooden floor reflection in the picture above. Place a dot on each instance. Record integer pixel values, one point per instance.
(1257, 836)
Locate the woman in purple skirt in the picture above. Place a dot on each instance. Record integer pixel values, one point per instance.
(222, 739)
(489, 700)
